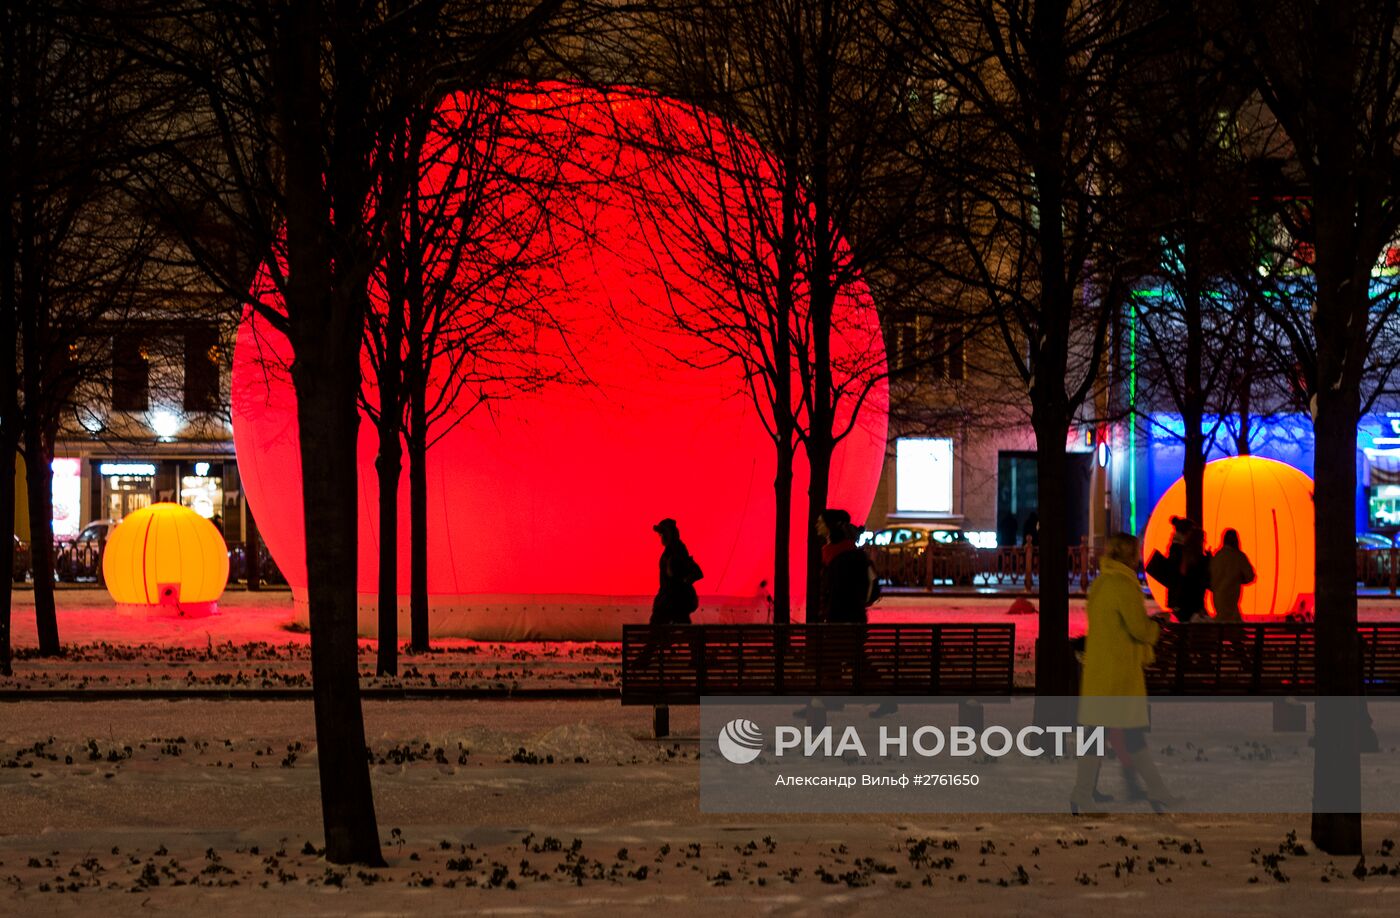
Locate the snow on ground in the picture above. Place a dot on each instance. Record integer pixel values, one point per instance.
(539, 807)
(205, 807)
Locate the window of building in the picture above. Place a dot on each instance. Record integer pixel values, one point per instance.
(924, 475)
(930, 353)
(202, 368)
(131, 373)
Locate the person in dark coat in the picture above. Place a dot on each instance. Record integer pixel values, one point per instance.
(1006, 530)
(845, 579)
(1190, 567)
(1030, 532)
(1230, 571)
(675, 595)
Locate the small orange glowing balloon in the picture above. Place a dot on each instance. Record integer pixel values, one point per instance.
(165, 554)
(1270, 505)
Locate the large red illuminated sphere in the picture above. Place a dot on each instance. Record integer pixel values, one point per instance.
(552, 493)
(1270, 505)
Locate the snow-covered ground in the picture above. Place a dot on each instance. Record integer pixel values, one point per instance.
(200, 807)
(193, 807)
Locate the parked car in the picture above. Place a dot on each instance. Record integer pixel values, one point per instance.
(22, 559)
(953, 557)
(914, 555)
(81, 558)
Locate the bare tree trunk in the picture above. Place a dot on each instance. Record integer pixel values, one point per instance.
(819, 461)
(1193, 466)
(9, 332)
(327, 419)
(326, 329)
(7, 556)
(1193, 398)
(1339, 326)
(782, 534)
(388, 464)
(38, 454)
(1054, 670)
(418, 517)
(1336, 822)
(821, 442)
(1244, 398)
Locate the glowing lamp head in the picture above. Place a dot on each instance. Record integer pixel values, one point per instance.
(165, 423)
(1270, 505)
(165, 554)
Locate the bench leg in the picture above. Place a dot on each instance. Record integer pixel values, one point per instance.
(661, 721)
(970, 714)
(1290, 716)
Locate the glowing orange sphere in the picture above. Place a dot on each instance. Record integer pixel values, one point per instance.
(165, 554)
(1270, 505)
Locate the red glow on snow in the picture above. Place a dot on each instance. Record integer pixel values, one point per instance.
(555, 491)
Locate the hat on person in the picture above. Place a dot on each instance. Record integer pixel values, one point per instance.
(1183, 524)
(666, 524)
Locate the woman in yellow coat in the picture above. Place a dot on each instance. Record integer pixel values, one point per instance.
(1113, 692)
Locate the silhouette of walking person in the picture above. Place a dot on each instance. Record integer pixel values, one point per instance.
(1113, 691)
(675, 595)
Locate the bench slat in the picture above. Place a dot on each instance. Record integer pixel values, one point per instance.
(676, 664)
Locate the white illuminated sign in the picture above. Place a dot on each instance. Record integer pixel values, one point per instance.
(126, 468)
(67, 496)
(924, 475)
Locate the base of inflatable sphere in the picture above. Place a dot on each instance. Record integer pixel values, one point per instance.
(169, 611)
(561, 617)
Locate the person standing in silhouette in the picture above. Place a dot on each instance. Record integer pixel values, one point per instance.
(845, 579)
(1190, 570)
(675, 595)
(1230, 570)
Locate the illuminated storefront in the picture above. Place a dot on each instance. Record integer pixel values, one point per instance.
(202, 487)
(1287, 438)
(126, 488)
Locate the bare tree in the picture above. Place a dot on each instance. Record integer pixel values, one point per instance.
(294, 100)
(79, 255)
(1186, 226)
(1017, 96)
(1329, 72)
(9, 318)
(459, 311)
(803, 197)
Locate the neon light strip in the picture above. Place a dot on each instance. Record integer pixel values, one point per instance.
(1132, 422)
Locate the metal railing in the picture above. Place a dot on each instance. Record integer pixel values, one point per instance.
(78, 561)
(925, 566)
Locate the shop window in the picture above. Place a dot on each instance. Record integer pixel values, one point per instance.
(202, 369)
(131, 373)
(924, 475)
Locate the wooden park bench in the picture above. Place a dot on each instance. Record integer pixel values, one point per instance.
(664, 665)
(1268, 660)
